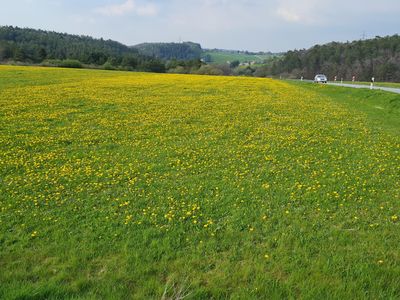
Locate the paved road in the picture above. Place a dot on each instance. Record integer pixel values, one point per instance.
(359, 86)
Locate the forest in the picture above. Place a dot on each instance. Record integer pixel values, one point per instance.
(378, 57)
(167, 51)
(66, 50)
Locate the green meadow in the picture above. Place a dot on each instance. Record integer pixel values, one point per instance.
(122, 185)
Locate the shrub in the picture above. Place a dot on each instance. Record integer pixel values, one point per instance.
(108, 66)
(66, 63)
(70, 63)
(178, 70)
(153, 65)
(51, 62)
(209, 70)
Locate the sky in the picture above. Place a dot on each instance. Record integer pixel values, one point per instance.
(254, 25)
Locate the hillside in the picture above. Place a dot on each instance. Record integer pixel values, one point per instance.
(121, 185)
(220, 56)
(168, 51)
(35, 46)
(378, 57)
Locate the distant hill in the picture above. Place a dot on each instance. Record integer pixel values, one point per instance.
(220, 56)
(61, 45)
(378, 57)
(35, 46)
(168, 51)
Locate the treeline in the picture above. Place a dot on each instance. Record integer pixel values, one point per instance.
(61, 49)
(378, 57)
(168, 51)
(234, 68)
(245, 52)
(364, 59)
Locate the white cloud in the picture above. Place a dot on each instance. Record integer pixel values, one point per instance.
(149, 9)
(216, 17)
(127, 7)
(306, 11)
(287, 15)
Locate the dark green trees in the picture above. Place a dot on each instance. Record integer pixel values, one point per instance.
(168, 51)
(378, 57)
(60, 49)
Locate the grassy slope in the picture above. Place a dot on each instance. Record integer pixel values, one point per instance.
(115, 185)
(223, 57)
(381, 107)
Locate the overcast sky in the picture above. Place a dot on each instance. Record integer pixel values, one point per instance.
(256, 25)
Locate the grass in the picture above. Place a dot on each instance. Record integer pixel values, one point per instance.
(148, 186)
(221, 57)
(381, 107)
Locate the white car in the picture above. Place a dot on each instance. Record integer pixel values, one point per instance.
(320, 78)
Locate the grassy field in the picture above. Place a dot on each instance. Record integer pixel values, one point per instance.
(221, 57)
(121, 185)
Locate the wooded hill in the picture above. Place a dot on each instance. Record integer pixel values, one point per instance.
(168, 51)
(378, 57)
(36, 46)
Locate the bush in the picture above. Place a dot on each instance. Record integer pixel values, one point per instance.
(154, 65)
(225, 69)
(178, 70)
(108, 66)
(209, 70)
(234, 64)
(51, 62)
(262, 71)
(244, 71)
(70, 63)
(66, 63)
